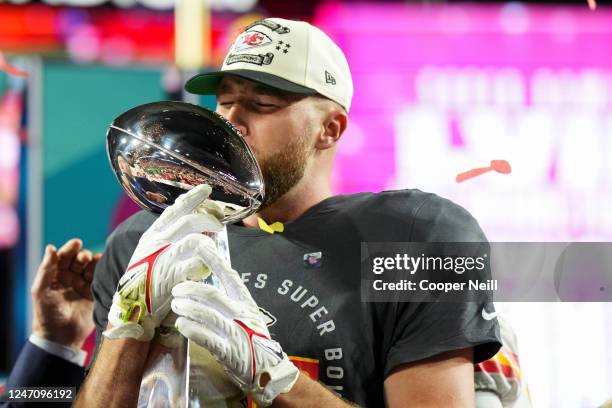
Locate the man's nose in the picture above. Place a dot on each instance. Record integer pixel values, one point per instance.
(235, 115)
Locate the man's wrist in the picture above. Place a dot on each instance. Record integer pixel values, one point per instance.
(308, 393)
(70, 354)
(56, 335)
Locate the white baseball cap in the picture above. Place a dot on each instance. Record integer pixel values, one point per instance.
(289, 55)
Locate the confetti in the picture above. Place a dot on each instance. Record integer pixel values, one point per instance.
(499, 166)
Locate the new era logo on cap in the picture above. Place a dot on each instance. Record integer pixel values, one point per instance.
(290, 55)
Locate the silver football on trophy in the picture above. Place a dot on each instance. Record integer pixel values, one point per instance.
(160, 150)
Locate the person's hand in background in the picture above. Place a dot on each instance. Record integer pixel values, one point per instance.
(61, 295)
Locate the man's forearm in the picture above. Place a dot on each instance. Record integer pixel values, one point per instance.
(115, 378)
(308, 393)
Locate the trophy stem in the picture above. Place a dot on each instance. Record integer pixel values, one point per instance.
(180, 373)
(204, 388)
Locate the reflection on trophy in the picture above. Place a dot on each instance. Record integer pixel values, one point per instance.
(159, 151)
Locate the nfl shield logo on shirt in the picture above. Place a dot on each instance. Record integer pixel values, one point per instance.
(313, 260)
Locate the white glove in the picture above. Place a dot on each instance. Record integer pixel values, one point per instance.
(167, 254)
(231, 327)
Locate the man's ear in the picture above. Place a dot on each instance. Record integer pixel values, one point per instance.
(334, 124)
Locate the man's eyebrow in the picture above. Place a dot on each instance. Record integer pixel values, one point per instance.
(223, 88)
(264, 90)
(258, 89)
(282, 95)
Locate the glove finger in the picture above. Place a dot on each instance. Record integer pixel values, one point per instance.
(187, 263)
(207, 316)
(184, 204)
(211, 207)
(198, 312)
(194, 290)
(207, 297)
(203, 336)
(192, 223)
(189, 247)
(223, 308)
(229, 278)
(192, 269)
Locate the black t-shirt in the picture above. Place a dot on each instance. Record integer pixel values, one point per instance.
(307, 282)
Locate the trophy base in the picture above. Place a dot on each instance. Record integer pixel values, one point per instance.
(168, 383)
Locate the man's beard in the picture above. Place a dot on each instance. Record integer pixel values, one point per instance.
(283, 170)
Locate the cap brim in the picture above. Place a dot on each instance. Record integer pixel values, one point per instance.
(206, 83)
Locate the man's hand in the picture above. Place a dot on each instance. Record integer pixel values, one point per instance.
(166, 255)
(61, 296)
(231, 327)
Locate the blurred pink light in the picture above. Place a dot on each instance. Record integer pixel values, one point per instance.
(117, 50)
(9, 226)
(84, 44)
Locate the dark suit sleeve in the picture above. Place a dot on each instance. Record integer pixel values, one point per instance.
(37, 368)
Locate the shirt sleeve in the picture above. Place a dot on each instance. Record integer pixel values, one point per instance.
(75, 356)
(423, 330)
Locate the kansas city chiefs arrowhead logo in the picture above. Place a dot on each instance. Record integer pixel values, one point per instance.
(251, 39)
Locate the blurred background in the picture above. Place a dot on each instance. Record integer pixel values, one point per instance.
(440, 88)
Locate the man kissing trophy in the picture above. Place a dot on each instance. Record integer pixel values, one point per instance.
(159, 151)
